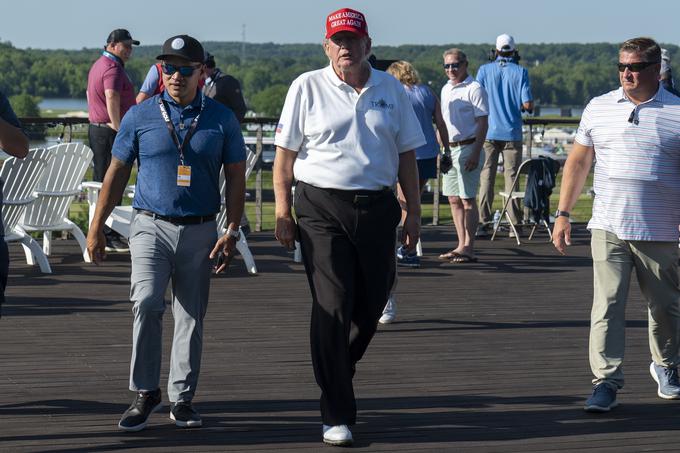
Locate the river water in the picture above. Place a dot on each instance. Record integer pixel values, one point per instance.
(75, 105)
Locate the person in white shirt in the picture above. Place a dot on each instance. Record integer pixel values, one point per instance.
(633, 135)
(465, 110)
(346, 133)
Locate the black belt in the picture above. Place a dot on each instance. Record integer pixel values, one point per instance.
(101, 125)
(357, 197)
(469, 141)
(187, 220)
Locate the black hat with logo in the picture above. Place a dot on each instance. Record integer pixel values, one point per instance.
(183, 46)
(121, 35)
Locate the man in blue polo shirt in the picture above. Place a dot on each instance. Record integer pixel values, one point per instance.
(509, 91)
(180, 140)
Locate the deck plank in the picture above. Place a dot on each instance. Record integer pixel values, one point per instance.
(488, 356)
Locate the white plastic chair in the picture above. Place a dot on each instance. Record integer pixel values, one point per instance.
(121, 216)
(21, 176)
(55, 192)
(242, 243)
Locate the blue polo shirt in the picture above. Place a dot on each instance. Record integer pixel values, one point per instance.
(144, 137)
(507, 86)
(423, 101)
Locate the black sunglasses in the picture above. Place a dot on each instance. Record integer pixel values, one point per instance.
(185, 71)
(636, 67)
(453, 65)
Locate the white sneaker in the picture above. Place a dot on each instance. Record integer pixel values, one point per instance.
(390, 311)
(338, 435)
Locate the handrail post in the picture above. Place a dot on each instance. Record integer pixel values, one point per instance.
(435, 197)
(258, 180)
(531, 138)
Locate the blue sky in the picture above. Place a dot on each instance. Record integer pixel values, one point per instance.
(73, 24)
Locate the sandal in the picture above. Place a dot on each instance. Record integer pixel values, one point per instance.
(448, 255)
(461, 258)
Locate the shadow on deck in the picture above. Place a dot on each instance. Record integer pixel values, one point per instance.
(487, 356)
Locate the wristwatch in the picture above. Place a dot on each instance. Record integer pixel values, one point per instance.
(559, 213)
(233, 233)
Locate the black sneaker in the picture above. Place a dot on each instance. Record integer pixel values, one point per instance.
(184, 415)
(145, 404)
(116, 244)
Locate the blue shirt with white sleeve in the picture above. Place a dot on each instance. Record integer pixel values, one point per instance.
(144, 137)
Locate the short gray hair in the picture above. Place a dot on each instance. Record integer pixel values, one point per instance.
(454, 51)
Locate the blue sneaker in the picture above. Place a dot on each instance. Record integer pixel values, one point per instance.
(603, 399)
(667, 379)
(407, 259)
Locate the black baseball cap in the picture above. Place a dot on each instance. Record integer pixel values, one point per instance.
(209, 60)
(183, 46)
(121, 35)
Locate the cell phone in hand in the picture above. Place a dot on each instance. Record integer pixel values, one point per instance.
(219, 260)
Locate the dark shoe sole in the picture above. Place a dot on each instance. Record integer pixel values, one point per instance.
(189, 424)
(338, 443)
(141, 426)
(600, 409)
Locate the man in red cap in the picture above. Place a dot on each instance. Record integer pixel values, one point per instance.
(346, 133)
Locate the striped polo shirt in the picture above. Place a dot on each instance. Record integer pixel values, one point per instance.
(637, 165)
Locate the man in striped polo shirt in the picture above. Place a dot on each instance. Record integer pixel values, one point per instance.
(634, 134)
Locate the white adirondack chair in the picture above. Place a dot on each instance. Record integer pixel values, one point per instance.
(55, 192)
(121, 217)
(21, 176)
(242, 243)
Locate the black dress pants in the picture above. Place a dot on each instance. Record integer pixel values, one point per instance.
(101, 142)
(349, 257)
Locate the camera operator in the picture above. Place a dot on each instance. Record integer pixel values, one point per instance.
(509, 91)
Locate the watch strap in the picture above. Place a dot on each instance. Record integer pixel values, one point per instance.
(233, 233)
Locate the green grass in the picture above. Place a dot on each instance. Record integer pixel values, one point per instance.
(581, 213)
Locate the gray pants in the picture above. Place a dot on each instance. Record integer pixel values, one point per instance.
(162, 253)
(656, 267)
(512, 158)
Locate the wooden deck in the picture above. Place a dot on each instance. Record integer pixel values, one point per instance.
(490, 356)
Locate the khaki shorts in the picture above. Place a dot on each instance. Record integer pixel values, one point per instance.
(459, 182)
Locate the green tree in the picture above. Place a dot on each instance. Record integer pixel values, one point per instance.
(25, 105)
(269, 101)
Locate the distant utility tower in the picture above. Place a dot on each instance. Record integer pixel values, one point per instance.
(243, 43)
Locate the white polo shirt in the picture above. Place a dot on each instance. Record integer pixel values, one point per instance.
(637, 168)
(346, 140)
(462, 104)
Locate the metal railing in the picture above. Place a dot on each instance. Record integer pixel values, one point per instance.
(258, 126)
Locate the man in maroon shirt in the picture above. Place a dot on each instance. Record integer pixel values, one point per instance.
(109, 95)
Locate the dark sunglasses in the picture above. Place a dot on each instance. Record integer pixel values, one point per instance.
(453, 65)
(636, 67)
(185, 71)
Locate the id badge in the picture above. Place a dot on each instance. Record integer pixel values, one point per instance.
(183, 175)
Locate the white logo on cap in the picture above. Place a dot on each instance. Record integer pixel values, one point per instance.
(177, 43)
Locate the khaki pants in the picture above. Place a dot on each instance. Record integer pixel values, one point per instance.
(512, 158)
(656, 268)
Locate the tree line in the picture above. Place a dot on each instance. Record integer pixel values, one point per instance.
(561, 74)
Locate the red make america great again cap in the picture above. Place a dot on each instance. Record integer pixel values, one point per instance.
(346, 19)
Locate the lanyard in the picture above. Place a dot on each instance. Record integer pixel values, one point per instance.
(171, 128)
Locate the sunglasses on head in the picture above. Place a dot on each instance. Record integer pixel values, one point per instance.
(453, 65)
(636, 67)
(185, 71)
